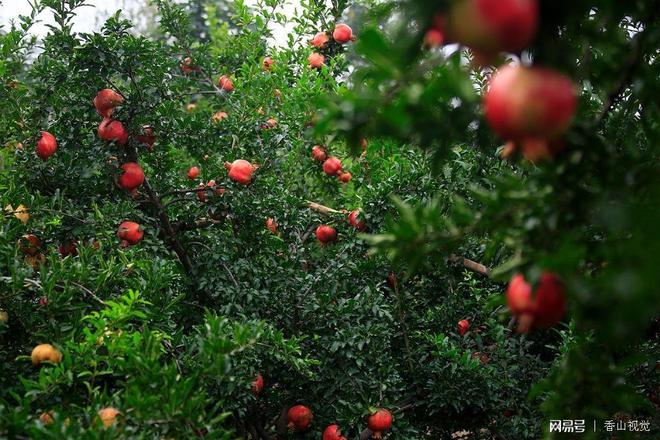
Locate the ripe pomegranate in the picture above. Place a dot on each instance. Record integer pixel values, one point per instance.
(113, 131)
(132, 177)
(105, 102)
(493, 25)
(320, 40)
(527, 103)
(108, 416)
(226, 83)
(46, 146)
(299, 417)
(193, 173)
(434, 38)
(130, 233)
(355, 220)
(201, 193)
(240, 171)
(271, 225)
(69, 247)
(318, 153)
(219, 116)
(326, 234)
(345, 177)
(332, 432)
(463, 326)
(29, 244)
(147, 137)
(267, 63)
(542, 308)
(332, 166)
(45, 353)
(258, 384)
(187, 66)
(342, 34)
(379, 421)
(316, 60)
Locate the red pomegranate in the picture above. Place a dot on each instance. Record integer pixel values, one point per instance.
(326, 234)
(258, 384)
(541, 308)
(271, 225)
(147, 137)
(46, 146)
(69, 247)
(29, 244)
(463, 326)
(493, 25)
(187, 66)
(345, 177)
(193, 173)
(526, 103)
(379, 421)
(434, 38)
(355, 220)
(320, 40)
(201, 193)
(226, 83)
(342, 34)
(113, 131)
(318, 153)
(332, 166)
(105, 102)
(332, 432)
(132, 177)
(299, 417)
(240, 171)
(315, 60)
(129, 233)
(267, 63)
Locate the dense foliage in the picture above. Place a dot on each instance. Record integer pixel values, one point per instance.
(228, 281)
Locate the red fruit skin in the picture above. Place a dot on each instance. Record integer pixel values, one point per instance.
(240, 171)
(105, 102)
(132, 177)
(463, 326)
(318, 153)
(379, 422)
(543, 308)
(527, 103)
(258, 385)
(267, 63)
(316, 60)
(43, 301)
(345, 177)
(47, 145)
(434, 38)
(69, 248)
(325, 234)
(494, 25)
(355, 221)
(299, 418)
(271, 225)
(342, 34)
(550, 302)
(129, 233)
(332, 432)
(193, 173)
(320, 40)
(186, 66)
(226, 83)
(331, 166)
(113, 131)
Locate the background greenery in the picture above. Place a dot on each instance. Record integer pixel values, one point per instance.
(173, 331)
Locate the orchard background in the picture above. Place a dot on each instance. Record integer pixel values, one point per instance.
(228, 306)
